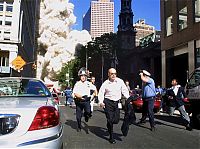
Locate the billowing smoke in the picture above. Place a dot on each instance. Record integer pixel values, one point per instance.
(57, 41)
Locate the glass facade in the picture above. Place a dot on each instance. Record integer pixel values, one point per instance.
(182, 14)
(168, 18)
(197, 57)
(197, 10)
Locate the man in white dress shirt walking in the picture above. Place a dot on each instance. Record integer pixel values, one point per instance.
(109, 98)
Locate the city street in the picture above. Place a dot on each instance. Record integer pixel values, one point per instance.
(170, 133)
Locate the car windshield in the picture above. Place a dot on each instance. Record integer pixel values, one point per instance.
(10, 87)
(194, 79)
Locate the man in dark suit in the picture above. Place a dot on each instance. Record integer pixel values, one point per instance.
(175, 95)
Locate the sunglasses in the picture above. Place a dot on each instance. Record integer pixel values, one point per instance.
(113, 73)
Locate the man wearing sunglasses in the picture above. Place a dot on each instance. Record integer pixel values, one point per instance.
(109, 95)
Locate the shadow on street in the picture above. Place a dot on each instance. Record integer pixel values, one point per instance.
(98, 131)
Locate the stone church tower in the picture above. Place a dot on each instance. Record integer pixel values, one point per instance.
(126, 32)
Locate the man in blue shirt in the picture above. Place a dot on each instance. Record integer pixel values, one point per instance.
(148, 96)
(68, 95)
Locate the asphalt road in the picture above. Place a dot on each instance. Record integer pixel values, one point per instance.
(169, 134)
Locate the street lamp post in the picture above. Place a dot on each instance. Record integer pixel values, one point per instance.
(86, 60)
(102, 66)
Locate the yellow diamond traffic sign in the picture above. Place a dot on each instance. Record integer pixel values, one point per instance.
(18, 62)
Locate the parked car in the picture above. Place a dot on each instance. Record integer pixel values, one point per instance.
(29, 118)
(138, 102)
(56, 98)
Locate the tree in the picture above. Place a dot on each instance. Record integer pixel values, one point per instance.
(102, 51)
(104, 47)
(68, 74)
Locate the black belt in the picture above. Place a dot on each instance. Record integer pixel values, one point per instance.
(112, 100)
(78, 100)
(148, 97)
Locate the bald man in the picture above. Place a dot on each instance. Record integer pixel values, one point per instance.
(109, 98)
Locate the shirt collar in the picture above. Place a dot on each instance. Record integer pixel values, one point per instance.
(176, 86)
(111, 81)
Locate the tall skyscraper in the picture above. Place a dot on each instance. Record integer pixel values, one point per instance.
(99, 19)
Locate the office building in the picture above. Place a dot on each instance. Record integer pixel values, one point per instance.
(18, 35)
(142, 30)
(99, 19)
(180, 38)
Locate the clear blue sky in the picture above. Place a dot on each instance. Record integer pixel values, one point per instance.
(142, 9)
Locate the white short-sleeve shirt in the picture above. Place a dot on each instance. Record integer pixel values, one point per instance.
(82, 88)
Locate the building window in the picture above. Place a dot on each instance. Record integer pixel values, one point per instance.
(182, 14)
(9, 8)
(124, 4)
(197, 57)
(197, 10)
(128, 4)
(6, 35)
(169, 25)
(8, 23)
(168, 18)
(4, 61)
(128, 21)
(1, 6)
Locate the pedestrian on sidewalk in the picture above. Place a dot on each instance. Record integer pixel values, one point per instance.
(81, 93)
(68, 96)
(175, 96)
(93, 92)
(148, 97)
(109, 98)
(127, 85)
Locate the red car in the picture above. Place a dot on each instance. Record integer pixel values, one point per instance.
(139, 102)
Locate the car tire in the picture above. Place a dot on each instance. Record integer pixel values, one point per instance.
(62, 146)
(196, 120)
(195, 115)
(156, 110)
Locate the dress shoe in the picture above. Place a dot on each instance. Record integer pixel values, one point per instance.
(78, 129)
(188, 127)
(141, 122)
(153, 129)
(86, 119)
(112, 141)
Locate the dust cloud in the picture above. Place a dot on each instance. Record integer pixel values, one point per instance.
(57, 41)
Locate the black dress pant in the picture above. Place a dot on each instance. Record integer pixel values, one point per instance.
(112, 113)
(80, 106)
(147, 109)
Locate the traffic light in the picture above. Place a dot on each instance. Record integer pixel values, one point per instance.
(34, 66)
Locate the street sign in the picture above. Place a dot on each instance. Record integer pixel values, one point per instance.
(18, 63)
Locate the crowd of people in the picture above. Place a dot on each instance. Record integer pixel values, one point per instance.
(84, 94)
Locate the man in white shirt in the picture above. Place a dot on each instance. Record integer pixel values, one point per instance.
(93, 91)
(175, 95)
(109, 95)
